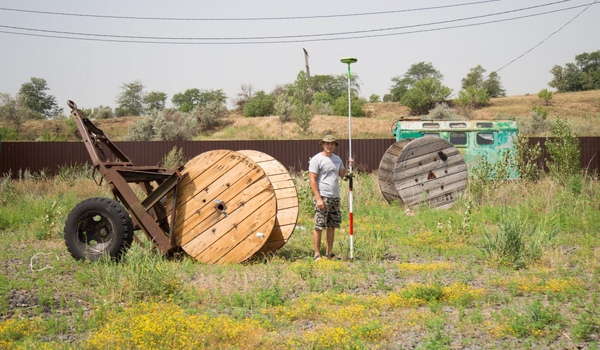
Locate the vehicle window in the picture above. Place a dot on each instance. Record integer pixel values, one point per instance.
(431, 125)
(485, 125)
(431, 135)
(458, 125)
(458, 138)
(485, 138)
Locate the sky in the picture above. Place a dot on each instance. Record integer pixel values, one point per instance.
(87, 50)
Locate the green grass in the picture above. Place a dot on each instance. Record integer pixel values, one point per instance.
(513, 264)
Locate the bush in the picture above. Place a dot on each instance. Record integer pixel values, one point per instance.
(211, 116)
(174, 159)
(284, 108)
(546, 96)
(260, 105)
(340, 106)
(442, 112)
(564, 151)
(527, 159)
(165, 125)
(102, 112)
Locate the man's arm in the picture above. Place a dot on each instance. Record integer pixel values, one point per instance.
(315, 189)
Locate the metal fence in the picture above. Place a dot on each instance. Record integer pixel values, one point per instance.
(293, 154)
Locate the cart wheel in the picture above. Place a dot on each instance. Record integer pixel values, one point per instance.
(97, 227)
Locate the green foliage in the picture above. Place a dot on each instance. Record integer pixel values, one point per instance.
(154, 101)
(130, 101)
(340, 106)
(424, 95)
(581, 75)
(174, 159)
(374, 98)
(546, 96)
(260, 105)
(528, 158)
(537, 124)
(8, 134)
(442, 112)
(284, 108)
(192, 98)
(534, 319)
(472, 97)
(516, 242)
(35, 97)
(564, 151)
(302, 97)
(166, 125)
(416, 72)
(210, 116)
(333, 85)
(102, 112)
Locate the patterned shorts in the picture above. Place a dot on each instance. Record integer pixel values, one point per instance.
(331, 216)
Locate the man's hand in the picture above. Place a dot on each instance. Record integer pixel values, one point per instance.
(348, 176)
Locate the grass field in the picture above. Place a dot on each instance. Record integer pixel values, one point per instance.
(510, 265)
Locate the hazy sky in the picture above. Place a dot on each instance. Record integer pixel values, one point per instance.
(172, 46)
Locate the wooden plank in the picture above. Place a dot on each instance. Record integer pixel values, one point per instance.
(240, 227)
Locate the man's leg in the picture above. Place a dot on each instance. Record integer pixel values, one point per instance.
(317, 241)
(330, 238)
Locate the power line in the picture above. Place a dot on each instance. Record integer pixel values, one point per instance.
(315, 37)
(248, 18)
(548, 37)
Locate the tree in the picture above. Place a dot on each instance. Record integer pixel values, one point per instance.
(340, 106)
(424, 95)
(33, 95)
(14, 111)
(155, 101)
(302, 98)
(192, 98)
(261, 105)
(582, 75)
(246, 93)
(472, 97)
(416, 72)
(131, 99)
(334, 85)
(210, 116)
(491, 84)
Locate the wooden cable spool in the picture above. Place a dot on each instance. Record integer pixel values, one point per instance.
(287, 199)
(427, 169)
(227, 206)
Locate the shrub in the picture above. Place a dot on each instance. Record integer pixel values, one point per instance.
(211, 116)
(340, 106)
(174, 159)
(546, 96)
(284, 108)
(527, 159)
(441, 112)
(564, 151)
(260, 105)
(102, 112)
(164, 125)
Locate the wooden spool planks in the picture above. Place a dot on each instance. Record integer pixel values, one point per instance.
(427, 169)
(226, 207)
(287, 199)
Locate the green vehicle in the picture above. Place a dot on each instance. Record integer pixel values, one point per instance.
(477, 140)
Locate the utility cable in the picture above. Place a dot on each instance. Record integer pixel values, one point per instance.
(354, 33)
(247, 18)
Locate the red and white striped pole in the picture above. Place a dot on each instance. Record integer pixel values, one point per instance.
(349, 61)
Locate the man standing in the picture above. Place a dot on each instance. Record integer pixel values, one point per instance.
(324, 169)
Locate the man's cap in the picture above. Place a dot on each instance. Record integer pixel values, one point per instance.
(329, 138)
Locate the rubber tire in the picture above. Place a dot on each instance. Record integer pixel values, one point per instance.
(97, 227)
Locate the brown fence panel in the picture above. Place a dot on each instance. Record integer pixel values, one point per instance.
(590, 151)
(293, 154)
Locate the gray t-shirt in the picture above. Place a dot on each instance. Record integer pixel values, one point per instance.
(328, 171)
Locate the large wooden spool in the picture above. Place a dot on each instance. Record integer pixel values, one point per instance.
(227, 206)
(424, 170)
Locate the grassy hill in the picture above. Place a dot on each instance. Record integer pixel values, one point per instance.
(582, 109)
